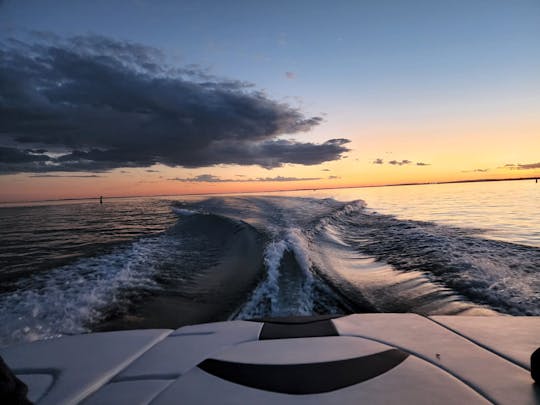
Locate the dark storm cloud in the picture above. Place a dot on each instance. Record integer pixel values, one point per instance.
(101, 104)
(17, 156)
(209, 178)
(272, 153)
(14, 160)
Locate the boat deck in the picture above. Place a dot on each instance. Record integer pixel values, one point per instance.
(369, 358)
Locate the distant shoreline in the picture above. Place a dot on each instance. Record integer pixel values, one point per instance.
(272, 191)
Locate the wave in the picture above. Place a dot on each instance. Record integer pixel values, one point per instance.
(208, 278)
(372, 262)
(287, 262)
(201, 269)
(254, 257)
(183, 211)
(68, 299)
(500, 275)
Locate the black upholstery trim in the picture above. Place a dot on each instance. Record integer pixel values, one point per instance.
(12, 389)
(288, 328)
(302, 330)
(535, 366)
(301, 379)
(296, 319)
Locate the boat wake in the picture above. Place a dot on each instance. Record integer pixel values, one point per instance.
(255, 257)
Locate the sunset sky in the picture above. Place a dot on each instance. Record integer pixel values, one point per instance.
(148, 97)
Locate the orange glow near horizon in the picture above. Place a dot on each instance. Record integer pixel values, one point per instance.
(23, 188)
(468, 151)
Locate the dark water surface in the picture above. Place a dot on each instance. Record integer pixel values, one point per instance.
(73, 267)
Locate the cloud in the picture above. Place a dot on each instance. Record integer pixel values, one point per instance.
(152, 171)
(325, 170)
(475, 171)
(520, 166)
(400, 163)
(203, 178)
(333, 177)
(403, 162)
(209, 178)
(96, 104)
(281, 178)
(290, 75)
(82, 176)
(15, 156)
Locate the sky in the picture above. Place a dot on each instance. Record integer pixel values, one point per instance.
(143, 97)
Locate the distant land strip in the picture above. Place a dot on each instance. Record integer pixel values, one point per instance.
(272, 191)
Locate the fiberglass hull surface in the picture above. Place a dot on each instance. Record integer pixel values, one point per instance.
(373, 358)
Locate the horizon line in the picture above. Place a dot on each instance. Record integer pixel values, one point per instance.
(278, 191)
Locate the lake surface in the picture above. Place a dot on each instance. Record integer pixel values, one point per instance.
(77, 266)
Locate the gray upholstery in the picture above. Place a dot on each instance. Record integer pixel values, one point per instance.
(514, 337)
(161, 366)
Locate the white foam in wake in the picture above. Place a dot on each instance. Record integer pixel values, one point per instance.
(183, 211)
(67, 299)
(298, 243)
(265, 300)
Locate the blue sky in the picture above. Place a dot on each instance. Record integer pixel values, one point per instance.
(372, 48)
(376, 71)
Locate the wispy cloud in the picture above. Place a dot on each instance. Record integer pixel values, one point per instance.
(82, 176)
(520, 166)
(282, 178)
(202, 178)
(475, 171)
(404, 162)
(400, 162)
(209, 178)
